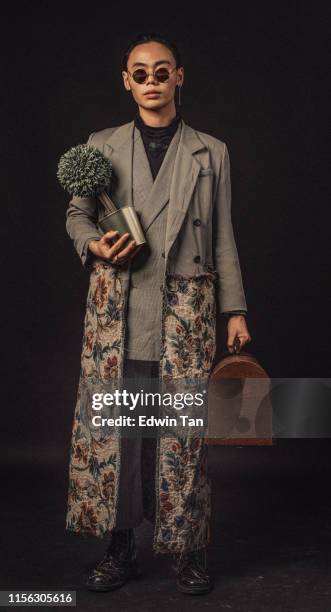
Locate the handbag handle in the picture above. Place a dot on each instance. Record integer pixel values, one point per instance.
(236, 346)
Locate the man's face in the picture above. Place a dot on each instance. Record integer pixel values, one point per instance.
(150, 56)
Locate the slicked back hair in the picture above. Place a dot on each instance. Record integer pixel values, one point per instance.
(145, 37)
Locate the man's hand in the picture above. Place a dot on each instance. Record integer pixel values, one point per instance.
(111, 247)
(237, 328)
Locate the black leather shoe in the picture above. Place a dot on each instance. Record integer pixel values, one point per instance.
(118, 564)
(192, 576)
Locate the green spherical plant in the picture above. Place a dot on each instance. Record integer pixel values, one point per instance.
(84, 171)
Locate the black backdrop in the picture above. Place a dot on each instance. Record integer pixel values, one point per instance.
(255, 78)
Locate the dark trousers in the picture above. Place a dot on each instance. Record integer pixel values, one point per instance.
(138, 455)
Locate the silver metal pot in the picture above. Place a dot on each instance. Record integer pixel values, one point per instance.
(124, 220)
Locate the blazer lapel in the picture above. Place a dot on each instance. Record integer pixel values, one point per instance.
(142, 175)
(118, 147)
(184, 179)
(159, 190)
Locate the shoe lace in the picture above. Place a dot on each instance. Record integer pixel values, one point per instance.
(109, 563)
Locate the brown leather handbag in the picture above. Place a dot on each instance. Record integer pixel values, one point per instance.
(239, 401)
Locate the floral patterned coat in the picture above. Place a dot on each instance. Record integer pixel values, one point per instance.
(202, 270)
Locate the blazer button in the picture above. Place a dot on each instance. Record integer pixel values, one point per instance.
(161, 288)
(197, 222)
(163, 254)
(197, 258)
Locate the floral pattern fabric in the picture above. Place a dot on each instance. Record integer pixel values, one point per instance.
(188, 343)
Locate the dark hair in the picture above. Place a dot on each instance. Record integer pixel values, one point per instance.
(148, 37)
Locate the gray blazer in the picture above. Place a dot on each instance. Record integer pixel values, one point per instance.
(199, 232)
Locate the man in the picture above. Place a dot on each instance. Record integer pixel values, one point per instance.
(151, 314)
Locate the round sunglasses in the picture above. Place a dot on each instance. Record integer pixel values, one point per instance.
(141, 75)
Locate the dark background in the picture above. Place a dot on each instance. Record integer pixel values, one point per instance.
(255, 77)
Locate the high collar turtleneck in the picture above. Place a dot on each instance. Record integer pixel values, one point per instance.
(161, 134)
(156, 140)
